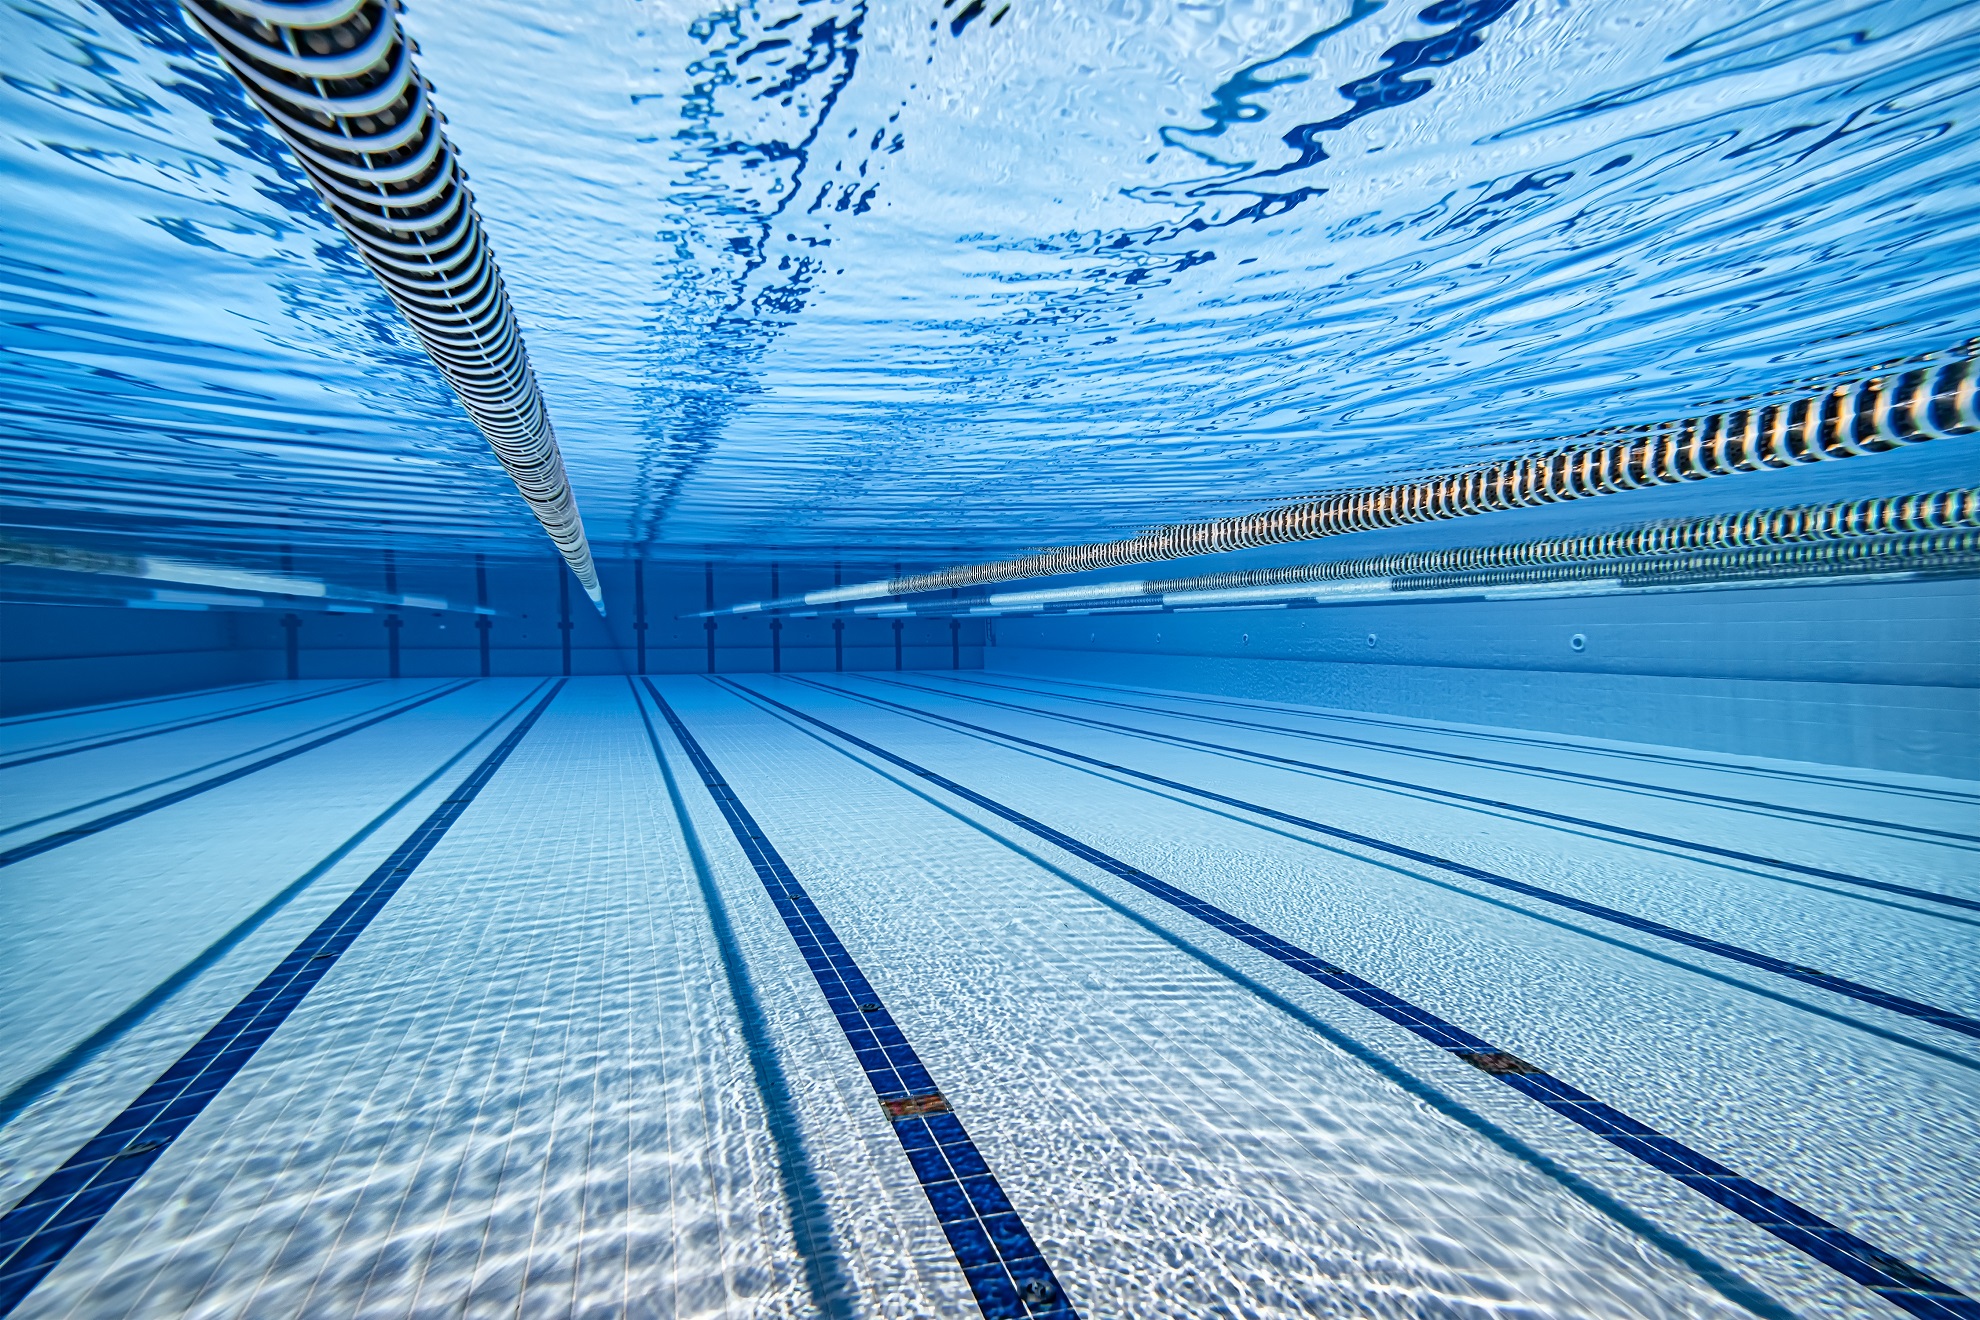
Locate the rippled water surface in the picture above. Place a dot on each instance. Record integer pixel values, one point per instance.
(799, 276)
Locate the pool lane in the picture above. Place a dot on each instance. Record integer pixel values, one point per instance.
(106, 715)
(528, 1085)
(160, 1015)
(1917, 807)
(1711, 851)
(1944, 1018)
(1850, 779)
(1757, 1093)
(1008, 1275)
(45, 1225)
(520, 1090)
(1180, 1142)
(49, 807)
(90, 743)
(95, 927)
(1918, 951)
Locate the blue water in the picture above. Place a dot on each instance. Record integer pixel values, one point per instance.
(804, 277)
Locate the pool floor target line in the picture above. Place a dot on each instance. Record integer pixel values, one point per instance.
(1895, 1280)
(153, 731)
(1821, 980)
(202, 768)
(1007, 1273)
(1538, 813)
(1943, 1053)
(74, 833)
(1856, 823)
(45, 1225)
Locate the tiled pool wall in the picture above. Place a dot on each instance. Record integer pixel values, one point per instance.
(1878, 675)
(1882, 675)
(53, 657)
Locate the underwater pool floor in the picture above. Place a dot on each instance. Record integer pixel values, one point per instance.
(918, 994)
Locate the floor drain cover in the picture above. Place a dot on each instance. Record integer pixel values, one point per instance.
(915, 1106)
(1498, 1063)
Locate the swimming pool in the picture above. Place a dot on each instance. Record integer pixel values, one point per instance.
(850, 659)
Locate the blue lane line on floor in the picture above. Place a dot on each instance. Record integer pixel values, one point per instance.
(153, 731)
(832, 1293)
(1552, 772)
(75, 711)
(1912, 1008)
(50, 1220)
(1008, 1274)
(1696, 967)
(1897, 1282)
(1710, 850)
(50, 842)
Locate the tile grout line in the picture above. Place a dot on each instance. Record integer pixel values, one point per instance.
(41, 1229)
(1898, 1282)
(1007, 1273)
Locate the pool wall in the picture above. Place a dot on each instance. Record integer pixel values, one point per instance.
(53, 657)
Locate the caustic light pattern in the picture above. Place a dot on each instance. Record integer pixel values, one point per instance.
(946, 994)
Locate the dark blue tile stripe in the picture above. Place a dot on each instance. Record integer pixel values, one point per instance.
(50, 842)
(1770, 808)
(155, 730)
(1710, 850)
(1005, 1269)
(40, 1230)
(1939, 1017)
(1884, 1274)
